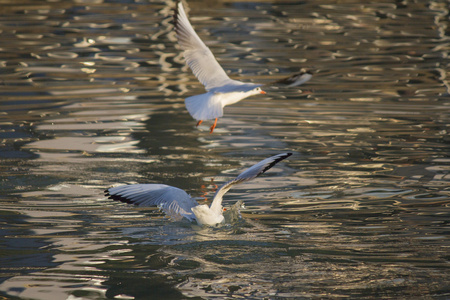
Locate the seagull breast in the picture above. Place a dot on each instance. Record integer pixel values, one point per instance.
(206, 216)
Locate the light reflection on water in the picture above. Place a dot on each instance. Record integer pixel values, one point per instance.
(92, 96)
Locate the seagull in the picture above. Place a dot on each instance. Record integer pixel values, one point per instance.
(177, 204)
(221, 90)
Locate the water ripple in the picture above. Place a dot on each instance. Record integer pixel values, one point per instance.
(92, 97)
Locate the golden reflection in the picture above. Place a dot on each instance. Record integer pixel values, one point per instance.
(92, 96)
(88, 144)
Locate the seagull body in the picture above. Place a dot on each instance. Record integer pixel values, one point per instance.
(221, 89)
(177, 204)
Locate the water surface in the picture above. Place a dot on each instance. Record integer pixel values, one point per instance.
(92, 96)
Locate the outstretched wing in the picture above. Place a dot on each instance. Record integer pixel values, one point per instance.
(198, 56)
(293, 80)
(247, 175)
(260, 168)
(173, 201)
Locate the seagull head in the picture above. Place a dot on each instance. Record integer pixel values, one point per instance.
(258, 90)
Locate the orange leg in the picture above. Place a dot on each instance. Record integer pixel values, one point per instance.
(213, 126)
(199, 122)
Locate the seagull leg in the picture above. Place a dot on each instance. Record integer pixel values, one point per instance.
(199, 122)
(213, 126)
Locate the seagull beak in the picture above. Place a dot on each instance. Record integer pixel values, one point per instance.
(262, 92)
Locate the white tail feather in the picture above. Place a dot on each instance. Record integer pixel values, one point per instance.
(204, 107)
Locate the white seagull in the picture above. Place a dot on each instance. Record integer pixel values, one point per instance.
(221, 90)
(177, 204)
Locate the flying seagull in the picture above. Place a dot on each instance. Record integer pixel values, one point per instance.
(177, 204)
(221, 90)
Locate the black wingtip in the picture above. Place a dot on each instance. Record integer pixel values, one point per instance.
(283, 156)
(277, 160)
(118, 198)
(294, 78)
(176, 13)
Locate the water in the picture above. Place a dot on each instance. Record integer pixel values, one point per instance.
(92, 96)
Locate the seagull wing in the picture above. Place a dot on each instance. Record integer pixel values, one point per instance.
(198, 56)
(293, 80)
(173, 201)
(247, 175)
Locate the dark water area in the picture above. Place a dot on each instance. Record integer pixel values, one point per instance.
(92, 96)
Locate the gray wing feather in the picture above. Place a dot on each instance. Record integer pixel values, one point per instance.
(293, 80)
(247, 175)
(175, 202)
(261, 167)
(198, 56)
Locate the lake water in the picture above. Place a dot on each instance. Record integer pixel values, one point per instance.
(92, 96)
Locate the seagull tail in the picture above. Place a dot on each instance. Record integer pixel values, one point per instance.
(204, 107)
